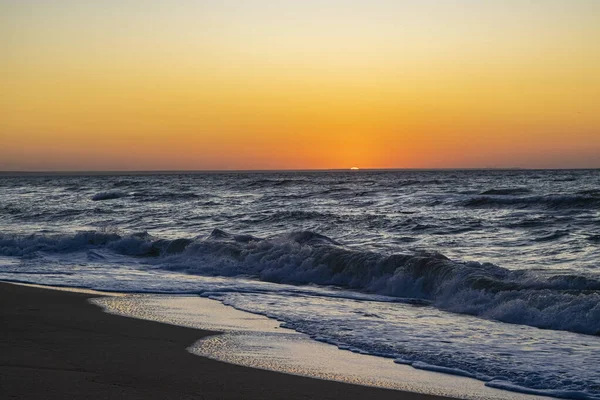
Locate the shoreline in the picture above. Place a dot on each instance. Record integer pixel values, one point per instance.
(55, 344)
(257, 341)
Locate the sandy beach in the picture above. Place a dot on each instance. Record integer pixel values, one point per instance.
(56, 345)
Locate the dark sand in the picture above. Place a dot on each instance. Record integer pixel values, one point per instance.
(56, 345)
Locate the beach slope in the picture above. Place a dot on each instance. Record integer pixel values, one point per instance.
(56, 345)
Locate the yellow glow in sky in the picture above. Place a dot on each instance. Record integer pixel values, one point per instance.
(251, 84)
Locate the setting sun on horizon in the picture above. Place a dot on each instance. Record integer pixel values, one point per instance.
(257, 84)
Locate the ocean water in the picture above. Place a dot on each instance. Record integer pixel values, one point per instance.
(488, 274)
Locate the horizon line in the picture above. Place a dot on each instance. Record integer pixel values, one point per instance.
(200, 171)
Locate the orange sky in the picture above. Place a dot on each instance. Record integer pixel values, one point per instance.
(257, 84)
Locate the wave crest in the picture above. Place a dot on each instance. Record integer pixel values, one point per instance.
(562, 302)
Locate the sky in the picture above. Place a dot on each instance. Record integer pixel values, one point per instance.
(286, 84)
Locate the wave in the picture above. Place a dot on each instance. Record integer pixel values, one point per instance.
(549, 201)
(594, 238)
(552, 236)
(505, 192)
(127, 183)
(529, 223)
(149, 196)
(10, 209)
(108, 195)
(423, 182)
(260, 183)
(291, 215)
(590, 192)
(296, 216)
(336, 191)
(561, 302)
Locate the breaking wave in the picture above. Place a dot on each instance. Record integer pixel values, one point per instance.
(561, 302)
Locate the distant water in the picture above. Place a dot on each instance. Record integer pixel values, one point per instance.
(453, 271)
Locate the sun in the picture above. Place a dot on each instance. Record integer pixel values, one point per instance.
(354, 169)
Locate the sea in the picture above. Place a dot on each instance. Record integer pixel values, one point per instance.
(489, 274)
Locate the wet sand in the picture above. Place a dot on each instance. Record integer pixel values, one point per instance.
(56, 345)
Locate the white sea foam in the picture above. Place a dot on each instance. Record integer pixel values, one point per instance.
(563, 302)
(255, 341)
